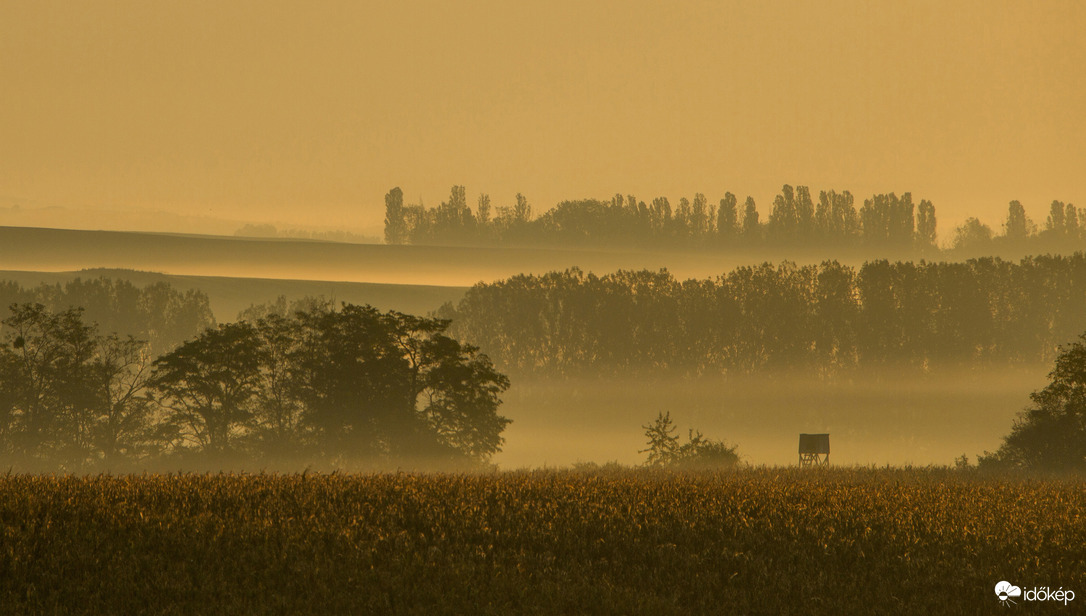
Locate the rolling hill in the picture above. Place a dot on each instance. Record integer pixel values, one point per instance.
(228, 296)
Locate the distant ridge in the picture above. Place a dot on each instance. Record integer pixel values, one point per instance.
(229, 296)
(64, 250)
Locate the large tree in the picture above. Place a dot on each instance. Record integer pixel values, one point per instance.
(119, 375)
(1051, 433)
(207, 387)
(348, 385)
(1018, 226)
(396, 230)
(69, 397)
(394, 386)
(48, 396)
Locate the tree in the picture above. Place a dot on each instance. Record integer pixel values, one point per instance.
(684, 215)
(925, 224)
(395, 223)
(751, 229)
(660, 215)
(47, 392)
(805, 214)
(784, 219)
(972, 235)
(1018, 226)
(835, 217)
(1070, 221)
(452, 221)
(279, 428)
(728, 218)
(700, 217)
(482, 210)
(459, 392)
(522, 211)
(1055, 223)
(390, 386)
(11, 397)
(123, 420)
(662, 441)
(1051, 434)
(697, 453)
(207, 387)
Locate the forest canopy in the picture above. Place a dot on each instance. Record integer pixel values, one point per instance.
(330, 387)
(157, 313)
(823, 318)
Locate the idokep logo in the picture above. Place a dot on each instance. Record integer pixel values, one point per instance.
(1007, 593)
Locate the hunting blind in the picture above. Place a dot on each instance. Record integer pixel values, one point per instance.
(814, 450)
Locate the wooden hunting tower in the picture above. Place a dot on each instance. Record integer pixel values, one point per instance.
(814, 450)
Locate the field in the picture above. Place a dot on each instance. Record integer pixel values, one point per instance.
(755, 541)
(52, 250)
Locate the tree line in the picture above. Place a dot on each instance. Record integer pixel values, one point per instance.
(825, 318)
(884, 220)
(1063, 229)
(324, 386)
(157, 313)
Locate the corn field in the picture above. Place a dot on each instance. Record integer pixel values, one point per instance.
(752, 541)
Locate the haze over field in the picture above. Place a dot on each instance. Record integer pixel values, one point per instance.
(128, 129)
(562, 306)
(57, 250)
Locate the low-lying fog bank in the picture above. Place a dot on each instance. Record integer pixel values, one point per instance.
(873, 418)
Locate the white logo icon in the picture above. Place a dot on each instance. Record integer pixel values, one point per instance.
(1005, 591)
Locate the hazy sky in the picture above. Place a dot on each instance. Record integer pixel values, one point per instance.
(310, 111)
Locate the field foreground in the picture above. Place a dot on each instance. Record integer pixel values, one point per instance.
(748, 542)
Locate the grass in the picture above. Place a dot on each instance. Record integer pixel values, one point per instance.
(755, 541)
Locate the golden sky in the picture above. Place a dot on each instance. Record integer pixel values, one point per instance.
(309, 112)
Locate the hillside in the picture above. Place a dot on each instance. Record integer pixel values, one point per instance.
(56, 250)
(228, 296)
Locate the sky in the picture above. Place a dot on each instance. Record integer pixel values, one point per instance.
(307, 113)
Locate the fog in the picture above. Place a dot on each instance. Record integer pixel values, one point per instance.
(874, 418)
(58, 250)
(884, 416)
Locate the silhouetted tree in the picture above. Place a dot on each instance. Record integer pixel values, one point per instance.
(482, 210)
(392, 385)
(49, 398)
(396, 229)
(452, 222)
(662, 441)
(1051, 434)
(701, 218)
(972, 235)
(68, 396)
(1055, 222)
(783, 224)
(123, 420)
(1018, 226)
(696, 454)
(728, 219)
(279, 428)
(836, 218)
(1070, 221)
(207, 387)
(925, 225)
(751, 228)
